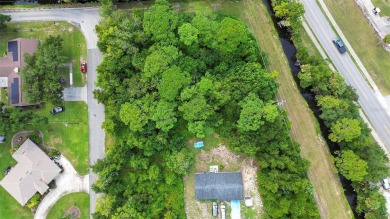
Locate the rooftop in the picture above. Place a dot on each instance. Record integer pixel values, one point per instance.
(224, 186)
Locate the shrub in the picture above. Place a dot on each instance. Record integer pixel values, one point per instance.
(34, 201)
(35, 138)
(54, 153)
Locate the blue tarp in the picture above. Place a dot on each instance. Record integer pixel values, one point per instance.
(198, 144)
(236, 209)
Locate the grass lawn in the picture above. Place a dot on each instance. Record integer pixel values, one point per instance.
(384, 5)
(328, 191)
(363, 40)
(74, 44)
(68, 132)
(80, 200)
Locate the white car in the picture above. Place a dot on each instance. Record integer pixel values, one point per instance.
(223, 211)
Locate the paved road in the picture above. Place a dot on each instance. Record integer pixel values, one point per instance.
(86, 19)
(372, 103)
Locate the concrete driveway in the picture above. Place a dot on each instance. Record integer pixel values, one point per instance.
(68, 181)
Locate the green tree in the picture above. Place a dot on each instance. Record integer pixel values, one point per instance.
(351, 166)
(134, 115)
(172, 81)
(231, 34)
(160, 21)
(41, 74)
(345, 129)
(386, 39)
(165, 116)
(3, 20)
(188, 34)
(255, 113)
(180, 161)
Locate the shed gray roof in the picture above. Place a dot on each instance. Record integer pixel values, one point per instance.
(32, 173)
(222, 186)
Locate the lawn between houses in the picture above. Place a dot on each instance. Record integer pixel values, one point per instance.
(305, 129)
(62, 208)
(68, 132)
(74, 44)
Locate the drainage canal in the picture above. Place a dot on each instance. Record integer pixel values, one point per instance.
(290, 50)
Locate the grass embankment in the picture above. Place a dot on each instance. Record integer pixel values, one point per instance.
(79, 200)
(68, 132)
(384, 5)
(363, 40)
(74, 44)
(328, 191)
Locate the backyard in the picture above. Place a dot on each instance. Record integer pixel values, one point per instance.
(74, 44)
(74, 204)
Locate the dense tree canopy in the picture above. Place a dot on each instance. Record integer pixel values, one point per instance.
(168, 77)
(41, 74)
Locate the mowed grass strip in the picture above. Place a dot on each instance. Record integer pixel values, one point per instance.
(68, 132)
(363, 40)
(328, 191)
(79, 200)
(74, 44)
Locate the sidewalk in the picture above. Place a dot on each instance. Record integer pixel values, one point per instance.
(68, 181)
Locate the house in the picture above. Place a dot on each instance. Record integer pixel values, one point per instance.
(10, 66)
(223, 186)
(33, 172)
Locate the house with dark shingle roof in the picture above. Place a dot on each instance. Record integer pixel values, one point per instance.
(10, 66)
(223, 186)
(32, 174)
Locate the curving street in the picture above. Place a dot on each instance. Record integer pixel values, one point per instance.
(370, 99)
(86, 19)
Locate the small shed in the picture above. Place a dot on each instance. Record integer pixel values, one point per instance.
(223, 186)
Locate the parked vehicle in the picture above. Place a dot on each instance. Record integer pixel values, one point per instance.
(215, 209)
(83, 67)
(2, 139)
(57, 110)
(223, 211)
(339, 45)
(385, 183)
(376, 10)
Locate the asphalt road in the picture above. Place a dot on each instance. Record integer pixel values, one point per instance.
(86, 19)
(371, 102)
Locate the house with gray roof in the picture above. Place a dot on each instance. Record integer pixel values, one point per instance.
(33, 172)
(223, 186)
(10, 66)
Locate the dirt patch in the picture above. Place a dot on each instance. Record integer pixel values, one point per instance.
(72, 212)
(227, 161)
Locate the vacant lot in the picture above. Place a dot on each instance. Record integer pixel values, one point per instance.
(74, 43)
(363, 40)
(75, 204)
